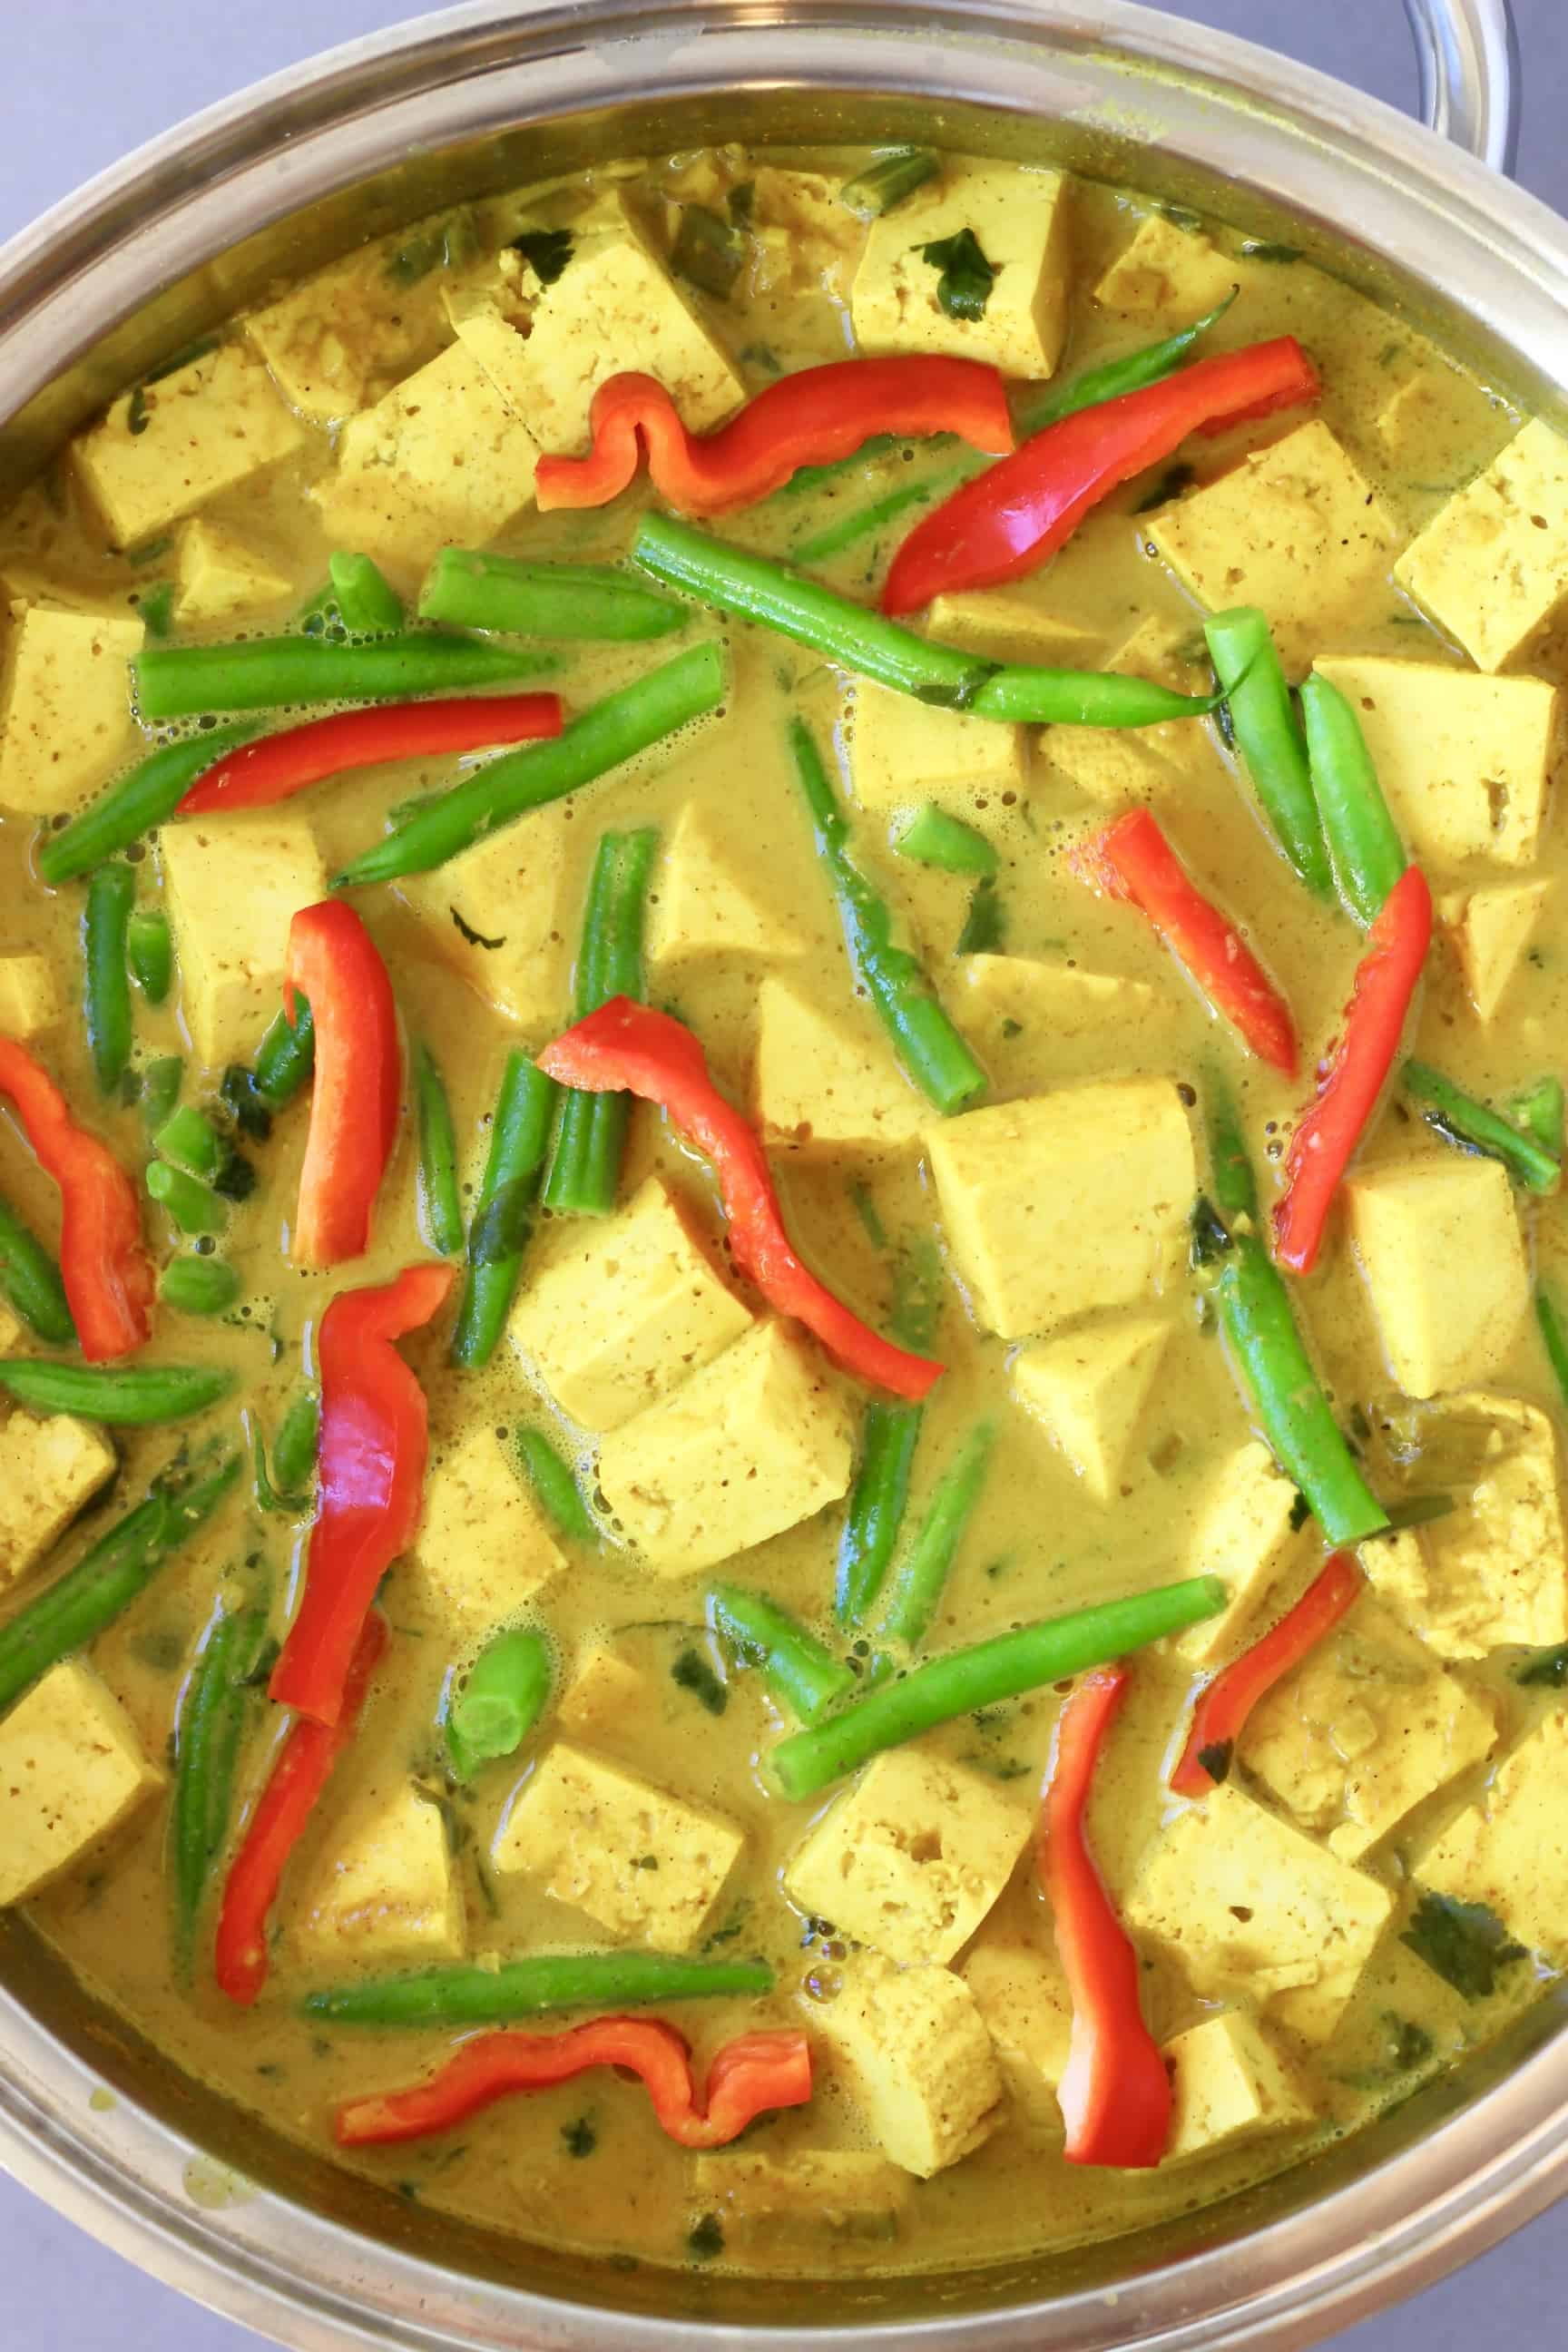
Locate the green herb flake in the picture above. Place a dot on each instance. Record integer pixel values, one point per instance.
(964, 287)
(692, 1671)
(138, 415)
(985, 928)
(1171, 483)
(1409, 2045)
(474, 939)
(1182, 216)
(546, 251)
(1464, 1943)
(581, 2138)
(706, 2239)
(1544, 1670)
(1216, 1761)
(1301, 1512)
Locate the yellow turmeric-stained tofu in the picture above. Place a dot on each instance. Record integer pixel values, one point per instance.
(219, 575)
(1488, 931)
(71, 1771)
(707, 901)
(334, 340)
(385, 1889)
(917, 2059)
(1231, 2084)
(1164, 268)
(29, 996)
(66, 721)
(1113, 766)
(235, 884)
(483, 1549)
(1020, 220)
(1509, 1850)
(166, 448)
(606, 1695)
(1023, 1997)
(498, 916)
(1439, 1244)
(1034, 1024)
(49, 1470)
(903, 751)
(1251, 1533)
(1090, 1388)
(825, 1084)
(1491, 567)
(802, 242)
(1009, 625)
(846, 2196)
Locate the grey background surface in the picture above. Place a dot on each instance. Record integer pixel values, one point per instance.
(83, 83)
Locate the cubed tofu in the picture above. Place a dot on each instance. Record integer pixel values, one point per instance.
(49, 1470)
(335, 336)
(918, 2060)
(482, 1551)
(1366, 1730)
(825, 1084)
(1090, 1388)
(903, 751)
(1509, 1850)
(1253, 1909)
(219, 575)
(29, 997)
(1439, 1244)
(66, 722)
(911, 1858)
(630, 1309)
(234, 886)
(1230, 2085)
(1022, 1995)
(1163, 267)
(1248, 1535)
(385, 1889)
(1113, 767)
(1495, 1569)
(1009, 624)
(803, 240)
(1488, 930)
(647, 1866)
(606, 1696)
(709, 900)
(493, 338)
(1035, 1024)
(758, 1440)
(166, 448)
(1020, 220)
(813, 2198)
(1296, 527)
(1463, 761)
(1066, 1201)
(511, 889)
(71, 1770)
(1491, 567)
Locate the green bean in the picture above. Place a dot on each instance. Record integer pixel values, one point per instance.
(1246, 664)
(440, 1202)
(368, 606)
(258, 673)
(1109, 382)
(1028, 694)
(863, 521)
(984, 1674)
(74, 1609)
(503, 1212)
(209, 1728)
(286, 1056)
(147, 797)
(497, 1704)
(1459, 1116)
(555, 1486)
(614, 730)
(299, 1435)
(1553, 1337)
(877, 1507)
(106, 998)
(1364, 847)
(30, 1279)
(922, 1578)
(161, 1081)
(806, 479)
(199, 1285)
(155, 608)
(531, 1988)
(886, 183)
(797, 1670)
(149, 946)
(128, 1396)
(1540, 1109)
(475, 591)
(930, 1051)
(937, 839)
(190, 1139)
(590, 1133)
(194, 1206)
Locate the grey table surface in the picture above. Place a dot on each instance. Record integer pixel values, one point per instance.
(124, 73)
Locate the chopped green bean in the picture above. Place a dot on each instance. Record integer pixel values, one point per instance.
(497, 1701)
(708, 251)
(155, 608)
(877, 1506)
(194, 1207)
(298, 1434)
(471, 589)
(1115, 377)
(886, 183)
(149, 945)
(440, 1203)
(591, 1129)
(106, 998)
(1246, 663)
(984, 930)
(937, 839)
(191, 1140)
(145, 799)
(796, 1668)
(1459, 1116)
(30, 1279)
(1364, 847)
(504, 1209)
(199, 1285)
(258, 673)
(127, 1396)
(1553, 1337)
(1028, 694)
(1540, 1109)
(368, 606)
(922, 1578)
(208, 1729)
(530, 1988)
(555, 1486)
(161, 1082)
(286, 1056)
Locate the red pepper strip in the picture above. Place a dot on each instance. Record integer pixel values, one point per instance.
(371, 1477)
(811, 418)
(1221, 1714)
(1132, 859)
(749, 2076)
(277, 1823)
(628, 1047)
(334, 960)
(1320, 1147)
(1016, 515)
(1115, 2095)
(108, 1275)
(254, 775)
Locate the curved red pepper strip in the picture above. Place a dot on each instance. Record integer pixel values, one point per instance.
(812, 418)
(628, 1047)
(1321, 1149)
(108, 1275)
(1221, 1714)
(1115, 2095)
(278, 1822)
(1132, 859)
(749, 2076)
(371, 1478)
(1016, 515)
(274, 767)
(334, 962)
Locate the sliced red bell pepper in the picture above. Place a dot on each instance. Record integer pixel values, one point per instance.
(108, 1275)
(1132, 859)
(1012, 518)
(277, 1823)
(811, 418)
(750, 2076)
(369, 1481)
(1115, 2094)
(336, 964)
(1221, 1714)
(1321, 1149)
(628, 1047)
(273, 768)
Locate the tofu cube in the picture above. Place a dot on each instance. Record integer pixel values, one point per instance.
(824, 1084)
(29, 998)
(334, 336)
(1296, 527)
(707, 901)
(482, 1551)
(512, 890)
(804, 242)
(491, 339)
(606, 1696)
(1439, 1244)
(49, 1471)
(1250, 1907)
(234, 886)
(1020, 219)
(1009, 624)
(1066, 1201)
(1509, 1850)
(917, 2058)
(1488, 930)
(840, 2195)
(630, 1309)
(71, 1770)
(1023, 1997)
(1245, 1534)
(758, 1440)
(66, 722)
(903, 751)
(1491, 569)
(1035, 1024)
(1113, 767)
(911, 1858)
(166, 448)
(1231, 2084)
(1163, 267)
(217, 576)
(385, 1889)
(1090, 1388)
(647, 1866)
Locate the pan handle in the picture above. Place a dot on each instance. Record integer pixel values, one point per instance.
(1467, 51)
